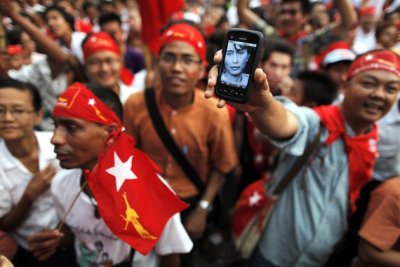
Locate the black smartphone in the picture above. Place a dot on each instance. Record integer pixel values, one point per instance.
(240, 56)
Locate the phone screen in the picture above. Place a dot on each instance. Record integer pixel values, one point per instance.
(240, 57)
(238, 63)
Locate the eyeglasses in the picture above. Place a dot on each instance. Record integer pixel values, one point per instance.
(15, 112)
(186, 60)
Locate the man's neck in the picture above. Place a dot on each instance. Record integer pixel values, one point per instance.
(357, 126)
(178, 101)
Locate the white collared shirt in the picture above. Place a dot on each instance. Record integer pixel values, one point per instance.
(14, 177)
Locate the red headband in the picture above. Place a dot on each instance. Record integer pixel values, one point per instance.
(78, 101)
(13, 50)
(376, 60)
(186, 33)
(367, 11)
(98, 42)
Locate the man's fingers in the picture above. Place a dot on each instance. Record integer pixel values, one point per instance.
(218, 57)
(44, 246)
(44, 236)
(260, 80)
(44, 255)
(221, 103)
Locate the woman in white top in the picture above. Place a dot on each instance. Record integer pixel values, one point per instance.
(27, 167)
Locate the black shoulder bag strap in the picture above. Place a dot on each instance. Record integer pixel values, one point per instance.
(298, 164)
(169, 142)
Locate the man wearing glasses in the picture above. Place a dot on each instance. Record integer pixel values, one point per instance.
(203, 134)
(104, 66)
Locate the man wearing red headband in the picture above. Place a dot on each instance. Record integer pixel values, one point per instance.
(104, 66)
(201, 132)
(311, 214)
(115, 200)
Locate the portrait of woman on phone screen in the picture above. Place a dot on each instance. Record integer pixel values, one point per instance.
(236, 58)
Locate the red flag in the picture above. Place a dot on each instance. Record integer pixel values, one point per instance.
(156, 13)
(251, 201)
(133, 202)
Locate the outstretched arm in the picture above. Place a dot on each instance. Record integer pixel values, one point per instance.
(269, 115)
(56, 56)
(348, 17)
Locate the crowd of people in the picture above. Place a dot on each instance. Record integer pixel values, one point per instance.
(114, 154)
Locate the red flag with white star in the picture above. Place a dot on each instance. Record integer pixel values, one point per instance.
(133, 201)
(252, 199)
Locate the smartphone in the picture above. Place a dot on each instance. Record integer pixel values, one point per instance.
(240, 56)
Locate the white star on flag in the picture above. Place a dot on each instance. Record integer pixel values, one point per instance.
(92, 102)
(254, 198)
(121, 170)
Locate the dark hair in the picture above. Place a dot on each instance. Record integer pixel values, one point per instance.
(305, 5)
(317, 87)
(109, 98)
(279, 45)
(21, 86)
(102, 3)
(109, 17)
(13, 36)
(67, 17)
(86, 5)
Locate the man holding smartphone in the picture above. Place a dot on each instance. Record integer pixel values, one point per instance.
(311, 214)
(202, 133)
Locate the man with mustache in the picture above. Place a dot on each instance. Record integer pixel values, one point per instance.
(87, 125)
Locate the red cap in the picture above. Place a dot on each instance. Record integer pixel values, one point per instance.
(79, 102)
(186, 33)
(98, 42)
(375, 60)
(335, 52)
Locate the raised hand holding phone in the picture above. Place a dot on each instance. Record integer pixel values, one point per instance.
(240, 57)
(258, 97)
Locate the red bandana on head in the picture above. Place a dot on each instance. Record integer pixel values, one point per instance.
(375, 60)
(100, 41)
(186, 33)
(361, 149)
(133, 202)
(79, 102)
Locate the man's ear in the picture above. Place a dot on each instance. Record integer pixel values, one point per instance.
(202, 71)
(110, 128)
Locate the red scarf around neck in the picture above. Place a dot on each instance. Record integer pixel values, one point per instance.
(361, 149)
